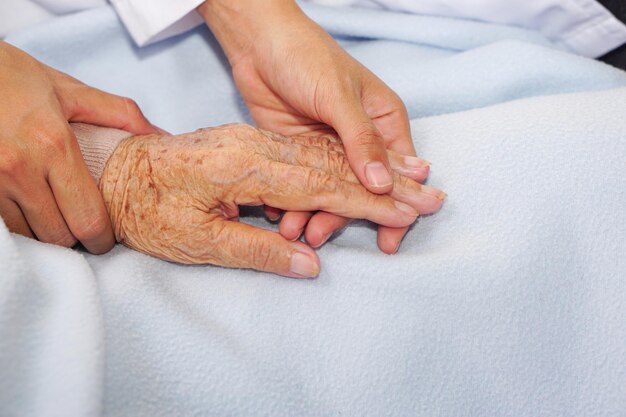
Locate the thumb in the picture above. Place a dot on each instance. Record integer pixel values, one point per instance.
(364, 145)
(245, 246)
(90, 105)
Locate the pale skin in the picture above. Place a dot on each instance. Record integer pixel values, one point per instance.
(296, 79)
(178, 197)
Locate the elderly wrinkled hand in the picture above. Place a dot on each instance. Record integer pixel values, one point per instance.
(177, 197)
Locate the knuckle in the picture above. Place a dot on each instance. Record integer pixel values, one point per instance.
(319, 180)
(341, 165)
(372, 201)
(367, 136)
(337, 147)
(132, 108)
(403, 182)
(333, 139)
(398, 104)
(12, 163)
(406, 186)
(93, 227)
(54, 142)
(245, 128)
(261, 253)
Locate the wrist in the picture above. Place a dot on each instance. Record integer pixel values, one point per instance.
(97, 144)
(124, 173)
(240, 26)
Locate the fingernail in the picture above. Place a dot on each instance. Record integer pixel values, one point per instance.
(412, 172)
(377, 175)
(303, 265)
(413, 162)
(298, 235)
(405, 208)
(324, 240)
(397, 247)
(434, 192)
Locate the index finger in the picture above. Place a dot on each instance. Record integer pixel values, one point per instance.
(78, 197)
(82, 103)
(301, 188)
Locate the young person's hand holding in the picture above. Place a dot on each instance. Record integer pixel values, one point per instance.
(46, 190)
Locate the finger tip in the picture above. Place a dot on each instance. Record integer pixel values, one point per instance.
(101, 250)
(388, 247)
(390, 239)
(289, 231)
(273, 218)
(100, 245)
(378, 177)
(434, 192)
(423, 173)
(272, 214)
(304, 262)
(435, 205)
(315, 237)
(293, 224)
(418, 175)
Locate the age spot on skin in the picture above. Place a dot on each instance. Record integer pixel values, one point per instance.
(176, 207)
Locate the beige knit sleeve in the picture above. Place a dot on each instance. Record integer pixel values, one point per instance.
(97, 145)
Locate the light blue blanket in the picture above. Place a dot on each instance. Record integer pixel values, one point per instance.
(511, 301)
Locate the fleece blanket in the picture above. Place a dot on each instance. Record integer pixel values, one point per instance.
(511, 301)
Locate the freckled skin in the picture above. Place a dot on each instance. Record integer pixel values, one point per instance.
(177, 197)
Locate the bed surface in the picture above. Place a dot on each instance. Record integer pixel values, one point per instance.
(510, 301)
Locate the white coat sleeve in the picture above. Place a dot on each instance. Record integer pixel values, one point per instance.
(149, 21)
(583, 26)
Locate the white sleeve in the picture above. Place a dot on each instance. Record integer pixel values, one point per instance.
(583, 26)
(152, 20)
(18, 14)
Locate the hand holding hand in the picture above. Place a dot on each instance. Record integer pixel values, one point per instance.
(295, 79)
(45, 188)
(177, 197)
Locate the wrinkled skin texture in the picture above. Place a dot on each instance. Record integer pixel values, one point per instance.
(46, 190)
(177, 197)
(296, 79)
